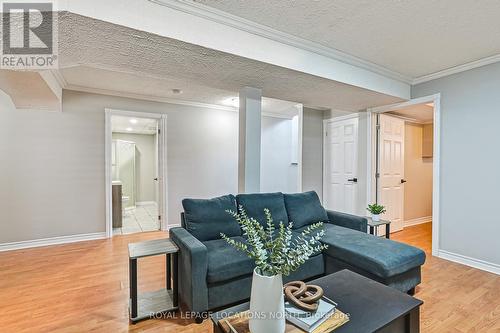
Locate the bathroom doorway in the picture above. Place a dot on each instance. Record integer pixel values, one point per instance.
(135, 182)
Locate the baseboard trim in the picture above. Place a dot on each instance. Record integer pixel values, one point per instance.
(144, 203)
(51, 241)
(420, 220)
(471, 262)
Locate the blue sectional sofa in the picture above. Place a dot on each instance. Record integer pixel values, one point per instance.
(213, 274)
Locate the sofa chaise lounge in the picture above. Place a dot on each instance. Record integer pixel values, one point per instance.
(213, 274)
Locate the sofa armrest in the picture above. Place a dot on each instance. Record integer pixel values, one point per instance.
(193, 266)
(347, 220)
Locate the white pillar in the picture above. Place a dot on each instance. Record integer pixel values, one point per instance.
(249, 140)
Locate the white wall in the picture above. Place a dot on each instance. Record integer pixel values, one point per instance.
(277, 173)
(145, 164)
(52, 168)
(52, 163)
(51, 172)
(470, 162)
(312, 151)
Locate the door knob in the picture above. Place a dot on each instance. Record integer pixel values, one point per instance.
(403, 181)
(155, 179)
(354, 180)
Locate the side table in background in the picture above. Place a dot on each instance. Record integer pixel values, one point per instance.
(375, 224)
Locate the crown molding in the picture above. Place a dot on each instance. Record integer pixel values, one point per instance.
(221, 17)
(54, 85)
(52, 82)
(166, 100)
(457, 69)
(148, 97)
(56, 73)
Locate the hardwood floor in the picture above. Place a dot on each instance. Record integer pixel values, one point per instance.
(83, 287)
(456, 298)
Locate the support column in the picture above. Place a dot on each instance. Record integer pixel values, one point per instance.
(249, 140)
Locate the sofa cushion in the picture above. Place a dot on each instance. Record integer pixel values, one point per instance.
(379, 256)
(225, 262)
(254, 205)
(304, 208)
(206, 218)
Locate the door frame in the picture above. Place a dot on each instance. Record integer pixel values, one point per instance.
(378, 164)
(162, 164)
(326, 122)
(371, 155)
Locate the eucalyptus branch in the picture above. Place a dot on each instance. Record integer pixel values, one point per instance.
(276, 251)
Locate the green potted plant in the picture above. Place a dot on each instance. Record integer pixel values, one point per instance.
(277, 253)
(376, 210)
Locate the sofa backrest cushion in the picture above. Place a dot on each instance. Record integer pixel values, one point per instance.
(254, 205)
(304, 209)
(205, 219)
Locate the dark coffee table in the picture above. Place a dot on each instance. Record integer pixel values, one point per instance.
(372, 306)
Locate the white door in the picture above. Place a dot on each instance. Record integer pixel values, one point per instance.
(391, 169)
(341, 164)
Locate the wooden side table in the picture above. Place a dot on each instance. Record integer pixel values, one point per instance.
(375, 224)
(151, 303)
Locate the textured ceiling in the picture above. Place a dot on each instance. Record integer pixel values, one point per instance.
(277, 106)
(102, 79)
(412, 37)
(106, 80)
(120, 58)
(422, 112)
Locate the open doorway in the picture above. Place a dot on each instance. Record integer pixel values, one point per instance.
(134, 172)
(404, 166)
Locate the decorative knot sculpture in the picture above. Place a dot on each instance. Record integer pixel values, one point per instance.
(304, 297)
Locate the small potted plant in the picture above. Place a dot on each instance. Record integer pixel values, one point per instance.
(277, 252)
(376, 210)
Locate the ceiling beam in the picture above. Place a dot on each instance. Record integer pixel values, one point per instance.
(31, 91)
(194, 23)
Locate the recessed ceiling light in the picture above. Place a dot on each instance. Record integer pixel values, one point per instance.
(133, 121)
(232, 101)
(176, 91)
(129, 129)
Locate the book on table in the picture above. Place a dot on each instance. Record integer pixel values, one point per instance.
(326, 324)
(309, 321)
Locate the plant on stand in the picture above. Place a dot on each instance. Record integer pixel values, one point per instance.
(277, 252)
(376, 210)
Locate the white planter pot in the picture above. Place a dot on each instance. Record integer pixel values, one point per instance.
(375, 217)
(267, 305)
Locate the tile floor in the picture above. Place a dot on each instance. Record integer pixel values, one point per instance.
(142, 218)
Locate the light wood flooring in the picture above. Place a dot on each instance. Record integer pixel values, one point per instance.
(83, 287)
